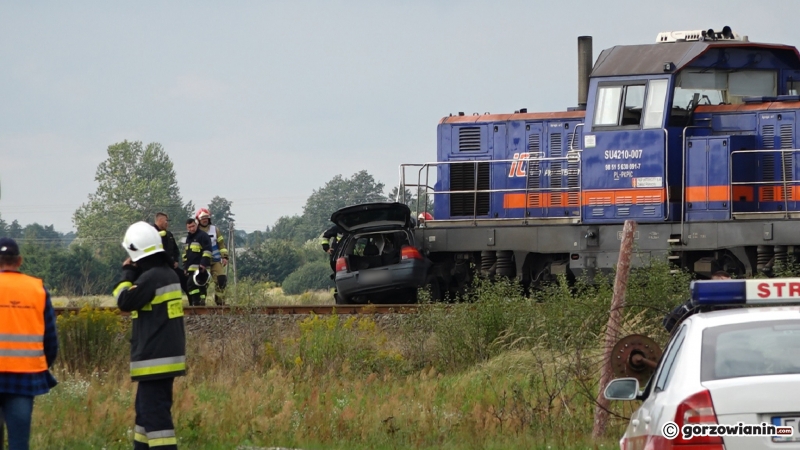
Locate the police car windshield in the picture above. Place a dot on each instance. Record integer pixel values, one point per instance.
(751, 349)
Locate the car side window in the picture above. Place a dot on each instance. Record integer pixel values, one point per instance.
(668, 365)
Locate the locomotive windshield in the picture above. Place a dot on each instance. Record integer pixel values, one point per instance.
(695, 87)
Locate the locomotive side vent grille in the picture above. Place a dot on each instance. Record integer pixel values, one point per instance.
(555, 145)
(768, 170)
(469, 139)
(599, 201)
(787, 158)
(556, 175)
(649, 210)
(534, 145)
(462, 178)
(534, 167)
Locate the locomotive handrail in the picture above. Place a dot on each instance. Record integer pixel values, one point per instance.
(784, 181)
(572, 139)
(666, 172)
(475, 191)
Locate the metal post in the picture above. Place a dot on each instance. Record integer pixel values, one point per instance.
(233, 256)
(612, 328)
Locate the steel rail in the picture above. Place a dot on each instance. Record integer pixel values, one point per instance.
(272, 310)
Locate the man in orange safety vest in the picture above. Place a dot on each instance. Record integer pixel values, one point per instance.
(28, 344)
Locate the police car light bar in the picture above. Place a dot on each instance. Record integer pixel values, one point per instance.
(749, 292)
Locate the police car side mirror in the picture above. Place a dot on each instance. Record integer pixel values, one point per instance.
(622, 389)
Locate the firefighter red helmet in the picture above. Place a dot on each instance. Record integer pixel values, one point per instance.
(424, 217)
(201, 213)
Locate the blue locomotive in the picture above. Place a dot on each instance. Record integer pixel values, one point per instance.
(694, 137)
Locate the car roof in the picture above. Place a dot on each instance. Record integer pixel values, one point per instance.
(744, 314)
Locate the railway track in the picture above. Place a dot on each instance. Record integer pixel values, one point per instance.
(275, 310)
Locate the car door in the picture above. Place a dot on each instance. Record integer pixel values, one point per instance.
(645, 423)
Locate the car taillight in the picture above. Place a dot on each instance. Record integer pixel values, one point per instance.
(341, 265)
(409, 252)
(697, 409)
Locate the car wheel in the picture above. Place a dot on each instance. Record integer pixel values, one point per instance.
(434, 288)
(341, 300)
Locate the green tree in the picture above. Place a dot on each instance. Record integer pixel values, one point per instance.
(134, 183)
(45, 235)
(14, 231)
(410, 200)
(221, 214)
(338, 193)
(273, 260)
(288, 228)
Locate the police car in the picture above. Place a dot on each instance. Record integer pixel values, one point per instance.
(729, 378)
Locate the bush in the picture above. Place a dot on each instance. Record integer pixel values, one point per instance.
(92, 340)
(312, 276)
(496, 317)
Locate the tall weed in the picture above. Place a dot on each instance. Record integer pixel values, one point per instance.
(92, 340)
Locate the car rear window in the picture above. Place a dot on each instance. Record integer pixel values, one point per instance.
(751, 349)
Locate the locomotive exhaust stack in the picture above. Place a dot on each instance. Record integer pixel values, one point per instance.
(584, 69)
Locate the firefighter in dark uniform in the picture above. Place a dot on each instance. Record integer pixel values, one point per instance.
(151, 292)
(170, 246)
(329, 240)
(196, 262)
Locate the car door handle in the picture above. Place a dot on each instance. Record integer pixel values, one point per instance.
(635, 422)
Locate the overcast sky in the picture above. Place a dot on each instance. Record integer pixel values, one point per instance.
(263, 102)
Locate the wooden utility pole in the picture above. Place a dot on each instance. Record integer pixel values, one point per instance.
(612, 328)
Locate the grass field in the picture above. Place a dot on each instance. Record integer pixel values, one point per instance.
(500, 371)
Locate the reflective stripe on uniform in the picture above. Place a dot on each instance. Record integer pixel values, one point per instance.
(161, 438)
(193, 267)
(21, 338)
(195, 247)
(196, 291)
(158, 365)
(207, 254)
(213, 233)
(167, 293)
(139, 434)
(22, 353)
(122, 287)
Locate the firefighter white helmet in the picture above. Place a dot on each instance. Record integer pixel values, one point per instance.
(200, 278)
(142, 240)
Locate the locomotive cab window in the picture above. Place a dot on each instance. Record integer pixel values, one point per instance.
(619, 106)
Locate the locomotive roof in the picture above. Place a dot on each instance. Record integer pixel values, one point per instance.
(649, 59)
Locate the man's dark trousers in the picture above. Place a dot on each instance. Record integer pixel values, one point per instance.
(154, 426)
